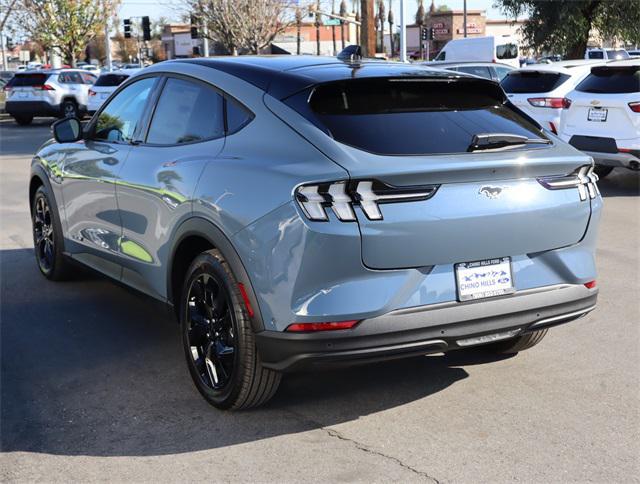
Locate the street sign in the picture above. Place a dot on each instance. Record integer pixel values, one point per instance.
(330, 21)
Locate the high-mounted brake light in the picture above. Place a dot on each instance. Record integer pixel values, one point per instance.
(584, 179)
(328, 326)
(635, 107)
(342, 196)
(550, 102)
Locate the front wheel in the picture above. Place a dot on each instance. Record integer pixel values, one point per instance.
(218, 340)
(47, 238)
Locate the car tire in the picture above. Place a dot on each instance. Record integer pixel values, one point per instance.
(69, 109)
(218, 339)
(515, 345)
(47, 238)
(602, 171)
(23, 120)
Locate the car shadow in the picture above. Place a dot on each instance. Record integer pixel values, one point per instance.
(620, 183)
(90, 368)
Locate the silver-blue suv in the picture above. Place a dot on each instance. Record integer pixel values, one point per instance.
(303, 211)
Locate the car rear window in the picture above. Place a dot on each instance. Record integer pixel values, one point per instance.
(611, 80)
(29, 80)
(410, 116)
(507, 51)
(110, 80)
(596, 54)
(526, 82)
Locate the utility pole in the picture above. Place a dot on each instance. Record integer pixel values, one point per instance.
(4, 52)
(205, 40)
(318, 27)
(403, 32)
(367, 29)
(107, 45)
(464, 14)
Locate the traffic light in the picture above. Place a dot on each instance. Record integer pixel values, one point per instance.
(146, 28)
(127, 28)
(424, 34)
(432, 33)
(194, 27)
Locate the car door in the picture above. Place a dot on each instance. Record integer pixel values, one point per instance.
(156, 185)
(90, 169)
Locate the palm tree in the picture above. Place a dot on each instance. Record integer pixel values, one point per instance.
(420, 23)
(390, 20)
(381, 20)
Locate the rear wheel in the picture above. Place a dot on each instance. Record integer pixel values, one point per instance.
(23, 120)
(218, 339)
(602, 171)
(69, 109)
(47, 238)
(515, 345)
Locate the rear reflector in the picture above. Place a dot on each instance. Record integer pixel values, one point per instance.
(487, 338)
(329, 326)
(245, 298)
(590, 284)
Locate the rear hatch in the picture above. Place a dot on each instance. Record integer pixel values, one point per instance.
(30, 86)
(601, 104)
(533, 90)
(407, 134)
(106, 84)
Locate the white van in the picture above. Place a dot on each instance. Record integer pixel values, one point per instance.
(487, 49)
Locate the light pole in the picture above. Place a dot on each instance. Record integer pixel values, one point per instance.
(403, 32)
(464, 14)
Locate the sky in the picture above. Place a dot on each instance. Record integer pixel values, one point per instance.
(171, 9)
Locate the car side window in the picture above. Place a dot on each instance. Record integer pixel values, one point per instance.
(64, 78)
(118, 121)
(88, 78)
(237, 116)
(71, 78)
(501, 72)
(480, 71)
(186, 112)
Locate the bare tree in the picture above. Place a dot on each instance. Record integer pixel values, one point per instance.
(66, 25)
(247, 25)
(6, 9)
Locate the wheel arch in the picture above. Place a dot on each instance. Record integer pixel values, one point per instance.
(39, 179)
(192, 237)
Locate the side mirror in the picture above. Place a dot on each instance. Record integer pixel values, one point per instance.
(67, 130)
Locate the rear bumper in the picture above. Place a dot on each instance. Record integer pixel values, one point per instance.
(622, 160)
(31, 108)
(427, 329)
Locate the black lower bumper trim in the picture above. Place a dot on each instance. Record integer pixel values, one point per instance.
(431, 330)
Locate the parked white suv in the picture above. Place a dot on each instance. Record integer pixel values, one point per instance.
(604, 117)
(606, 54)
(105, 85)
(540, 90)
(58, 92)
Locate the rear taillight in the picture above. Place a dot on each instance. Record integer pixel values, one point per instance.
(553, 128)
(550, 102)
(6, 88)
(635, 107)
(590, 284)
(45, 87)
(342, 196)
(92, 92)
(314, 327)
(584, 179)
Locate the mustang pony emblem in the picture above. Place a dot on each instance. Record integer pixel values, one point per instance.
(491, 192)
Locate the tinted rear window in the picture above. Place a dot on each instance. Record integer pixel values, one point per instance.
(612, 80)
(110, 80)
(525, 82)
(410, 116)
(598, 54)
(28, 80)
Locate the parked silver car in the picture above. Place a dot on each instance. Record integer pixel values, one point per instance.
(59, 92)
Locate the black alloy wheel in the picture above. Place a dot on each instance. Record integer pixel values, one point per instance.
(43, 236)
(210, 331)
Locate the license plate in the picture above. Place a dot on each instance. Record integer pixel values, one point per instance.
(22, 94)
(597, 114)
(485, 278)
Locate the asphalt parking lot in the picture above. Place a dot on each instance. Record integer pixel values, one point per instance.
(94, 386)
